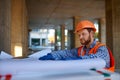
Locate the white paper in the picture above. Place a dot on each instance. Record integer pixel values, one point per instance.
(17, 66)
(39, 54)
(4, 55)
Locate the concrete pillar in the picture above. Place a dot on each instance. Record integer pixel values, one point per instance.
(5, 12)
(113, 28)
(75, 40)
(102, 30)
(19, 29)
(55, 39)
(62, 37)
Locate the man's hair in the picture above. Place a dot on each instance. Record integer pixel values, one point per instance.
(89, 29)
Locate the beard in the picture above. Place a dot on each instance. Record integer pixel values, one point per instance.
(86, 42)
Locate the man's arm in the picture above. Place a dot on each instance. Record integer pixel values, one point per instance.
(60, 55)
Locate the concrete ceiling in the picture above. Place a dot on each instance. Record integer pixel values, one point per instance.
(52, 13)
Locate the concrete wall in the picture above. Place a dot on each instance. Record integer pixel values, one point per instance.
(13, 26)
(113, 28)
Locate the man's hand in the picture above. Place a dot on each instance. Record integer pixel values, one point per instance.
(47, 57)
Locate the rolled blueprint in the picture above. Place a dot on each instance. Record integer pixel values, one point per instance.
(27, 65)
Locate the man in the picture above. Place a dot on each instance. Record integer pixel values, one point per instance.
(90, 47)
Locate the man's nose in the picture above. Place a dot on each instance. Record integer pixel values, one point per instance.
(80, 36)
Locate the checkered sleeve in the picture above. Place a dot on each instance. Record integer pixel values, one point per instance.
(65, 54)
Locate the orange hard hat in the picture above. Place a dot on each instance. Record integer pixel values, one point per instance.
(85, 24)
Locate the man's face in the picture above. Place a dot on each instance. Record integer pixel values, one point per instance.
(84, 36)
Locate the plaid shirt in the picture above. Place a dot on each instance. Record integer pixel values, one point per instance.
(72, 54)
